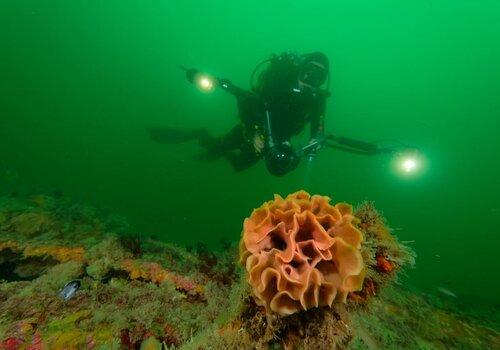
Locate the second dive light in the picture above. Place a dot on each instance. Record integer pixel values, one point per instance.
(409, 161)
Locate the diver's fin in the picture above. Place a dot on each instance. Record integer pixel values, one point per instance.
(172, 136)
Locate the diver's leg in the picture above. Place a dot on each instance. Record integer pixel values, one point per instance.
(233, 139)
(216, 147)
(172, 136)
(241, 162)
(243, 159)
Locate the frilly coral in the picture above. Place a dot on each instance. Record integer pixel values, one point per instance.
(301, 252)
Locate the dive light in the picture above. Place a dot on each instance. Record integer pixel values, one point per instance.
(203, 81)
(408, 161)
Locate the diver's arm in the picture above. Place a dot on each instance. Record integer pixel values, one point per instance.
(192, 75)
(318, 126)
(354, 146)
(238, 92)
(318, 120)
(317, 137)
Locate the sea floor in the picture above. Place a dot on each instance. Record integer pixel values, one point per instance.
(136, 292)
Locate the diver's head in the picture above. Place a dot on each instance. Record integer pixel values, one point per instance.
(313, 70)
(281, 159)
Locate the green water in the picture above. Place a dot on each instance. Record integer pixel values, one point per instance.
(80, 81)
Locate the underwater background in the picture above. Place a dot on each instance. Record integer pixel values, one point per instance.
(80, 81)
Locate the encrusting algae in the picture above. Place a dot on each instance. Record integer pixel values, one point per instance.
(315, 276)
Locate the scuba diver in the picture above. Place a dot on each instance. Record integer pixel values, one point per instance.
(289, 93)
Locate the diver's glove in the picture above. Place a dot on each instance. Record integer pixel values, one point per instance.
(225, 84)
(317, 142)
(258, 143)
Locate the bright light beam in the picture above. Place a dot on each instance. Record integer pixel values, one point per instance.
(205, 83)
(409, 164)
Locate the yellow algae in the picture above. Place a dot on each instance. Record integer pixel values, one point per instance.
(60, 253)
